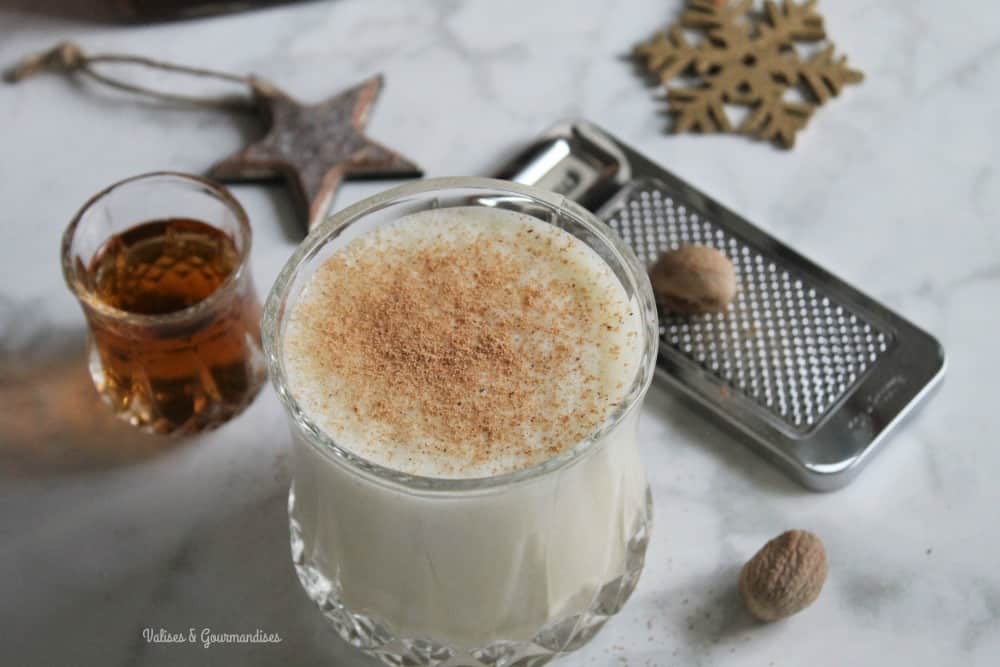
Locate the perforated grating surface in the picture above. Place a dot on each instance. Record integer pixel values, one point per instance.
(784, 343)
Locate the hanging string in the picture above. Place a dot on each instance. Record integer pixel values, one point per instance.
(69, 58)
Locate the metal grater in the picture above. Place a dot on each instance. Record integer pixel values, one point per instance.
(811, 371)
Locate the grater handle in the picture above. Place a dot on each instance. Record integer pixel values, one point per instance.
(574, 159)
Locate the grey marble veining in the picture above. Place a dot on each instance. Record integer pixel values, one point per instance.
(894, 186)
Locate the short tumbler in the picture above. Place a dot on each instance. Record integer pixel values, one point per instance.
(504, 571)
(159, 264)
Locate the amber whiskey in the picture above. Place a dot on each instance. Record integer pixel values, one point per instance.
(187, 354)
(159, 10)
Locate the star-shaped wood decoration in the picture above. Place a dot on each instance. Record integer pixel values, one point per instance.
(314, 147)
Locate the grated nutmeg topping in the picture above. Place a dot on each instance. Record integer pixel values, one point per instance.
(462, 343)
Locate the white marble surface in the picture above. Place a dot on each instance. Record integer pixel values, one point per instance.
(893, 187)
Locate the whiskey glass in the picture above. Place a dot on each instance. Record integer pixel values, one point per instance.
(503, 571)
(167, 369)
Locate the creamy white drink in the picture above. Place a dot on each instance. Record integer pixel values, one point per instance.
(466, 343)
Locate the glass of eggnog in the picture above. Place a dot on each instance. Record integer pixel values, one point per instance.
(463, 361)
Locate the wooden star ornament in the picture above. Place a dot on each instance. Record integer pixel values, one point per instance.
(314, 147)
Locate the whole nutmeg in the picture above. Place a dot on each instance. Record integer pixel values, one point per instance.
(785, 576)
(694, 279)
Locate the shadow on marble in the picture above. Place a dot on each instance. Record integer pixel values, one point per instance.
(293, 228)
(701, 427)
(238, 579)
(52, 420)
(232, 577)
(117, 11)
(90, 11)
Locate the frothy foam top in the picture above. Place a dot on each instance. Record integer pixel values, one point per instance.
(462, 342)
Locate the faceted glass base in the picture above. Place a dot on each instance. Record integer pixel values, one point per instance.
(558, 637)
(201, 402)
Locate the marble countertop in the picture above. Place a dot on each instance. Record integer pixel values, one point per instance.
(104, 532)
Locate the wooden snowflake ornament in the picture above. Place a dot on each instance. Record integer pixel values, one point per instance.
(750, 59)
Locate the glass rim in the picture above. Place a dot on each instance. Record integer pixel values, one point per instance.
(92, 301)
(331, 227)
